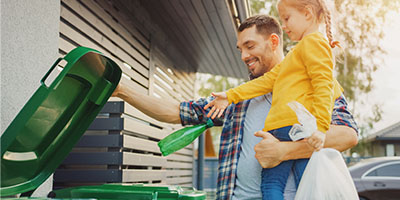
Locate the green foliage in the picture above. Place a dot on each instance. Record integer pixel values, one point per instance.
(358, 26)
(210, 83)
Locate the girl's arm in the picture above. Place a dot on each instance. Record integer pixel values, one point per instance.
(317, 57)
(254, 88)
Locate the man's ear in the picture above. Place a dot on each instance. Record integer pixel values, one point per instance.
(274, 40)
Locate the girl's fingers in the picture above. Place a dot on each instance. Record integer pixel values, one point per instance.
(215, 114)
(220, 113)
(209, 104)
(211, 111)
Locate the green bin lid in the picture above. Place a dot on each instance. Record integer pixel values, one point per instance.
(55, 117)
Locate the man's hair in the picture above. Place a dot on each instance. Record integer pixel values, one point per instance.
(265, 25)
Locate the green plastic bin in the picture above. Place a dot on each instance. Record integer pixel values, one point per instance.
(130, 191)
(52, 122)
(54, 118)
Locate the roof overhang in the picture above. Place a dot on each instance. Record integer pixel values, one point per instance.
(204, 31)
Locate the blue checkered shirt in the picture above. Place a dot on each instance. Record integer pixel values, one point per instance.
(192, 112)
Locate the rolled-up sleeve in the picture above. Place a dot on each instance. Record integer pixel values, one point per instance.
(193, 112)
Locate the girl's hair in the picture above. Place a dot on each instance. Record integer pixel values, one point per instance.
(321, 11)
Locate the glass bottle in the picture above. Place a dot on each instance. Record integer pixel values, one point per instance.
(182, 137)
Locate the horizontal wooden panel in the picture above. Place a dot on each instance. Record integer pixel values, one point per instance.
(100, 11)
(180, 172)
(141, 128)
(85, 176)
(179, 165)
(140, 64)
(121, 107)
(162, 73)
(143, 160)
(83, 41)
(176, 157)
(123, 18)
(97, 158)
(133, 175)
(176, 180)
(131, 142)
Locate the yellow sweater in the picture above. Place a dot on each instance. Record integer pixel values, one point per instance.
(305, 76)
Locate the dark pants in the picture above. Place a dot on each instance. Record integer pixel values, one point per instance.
(273, 180)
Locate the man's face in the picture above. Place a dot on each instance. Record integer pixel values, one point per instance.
(256, 51)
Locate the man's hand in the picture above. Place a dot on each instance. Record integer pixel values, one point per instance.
(270, 151)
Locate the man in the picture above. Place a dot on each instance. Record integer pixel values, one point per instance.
(242, 155)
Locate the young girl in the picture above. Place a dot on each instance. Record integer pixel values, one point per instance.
(305, 76)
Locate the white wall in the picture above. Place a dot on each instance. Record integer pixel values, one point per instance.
(29, 46)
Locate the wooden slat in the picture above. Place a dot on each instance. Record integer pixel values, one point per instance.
(180, 172)
(173, 94)
(177, 157)
(208, 34)
(146, 130)
(132, 111)
(133, 175)
(179, 165)
(96, 8)
(230, 33)
(143, 160)
(141, 66)
(164, 94)
(131, 142)
(82, 41)
(184, 81)
(178, 84)
(179, 14)
(107, 30)
(110, 6)
(181, 180)
(173, 31)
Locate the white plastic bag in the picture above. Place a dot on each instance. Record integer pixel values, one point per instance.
(308, 123)
(326, 177)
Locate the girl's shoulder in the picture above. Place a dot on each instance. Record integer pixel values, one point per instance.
(313, 39)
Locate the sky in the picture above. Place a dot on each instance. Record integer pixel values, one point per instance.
(387, 77)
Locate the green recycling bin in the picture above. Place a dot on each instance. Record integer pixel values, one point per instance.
(130, 191)
(52, 122)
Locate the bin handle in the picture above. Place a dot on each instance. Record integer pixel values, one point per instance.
(50, 70)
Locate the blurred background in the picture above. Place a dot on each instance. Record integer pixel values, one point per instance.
(369, 71)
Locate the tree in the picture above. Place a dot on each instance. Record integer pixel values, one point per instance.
(358, 26)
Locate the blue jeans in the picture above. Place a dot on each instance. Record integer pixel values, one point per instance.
(273, 180)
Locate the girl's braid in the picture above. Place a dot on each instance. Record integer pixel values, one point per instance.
(327, 16)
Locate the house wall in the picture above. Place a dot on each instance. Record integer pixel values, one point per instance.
(29, 43)
(378, 148)
(151, 66)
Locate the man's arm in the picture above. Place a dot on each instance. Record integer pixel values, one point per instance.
(162, 110)
(270, 152)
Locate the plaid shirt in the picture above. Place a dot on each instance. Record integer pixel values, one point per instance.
(192, 112)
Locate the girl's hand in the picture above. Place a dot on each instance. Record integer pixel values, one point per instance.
(317, 140)
(218, 104)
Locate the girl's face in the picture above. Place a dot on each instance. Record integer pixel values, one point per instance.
(295, 23)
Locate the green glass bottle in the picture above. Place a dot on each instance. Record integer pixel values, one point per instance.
(182, 137)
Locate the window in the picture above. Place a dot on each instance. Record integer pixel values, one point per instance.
(390, 150)
(392, 170)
